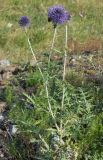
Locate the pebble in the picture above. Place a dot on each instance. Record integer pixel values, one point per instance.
(12, 129)
(4, 63)
(2, 106)
(1, 117)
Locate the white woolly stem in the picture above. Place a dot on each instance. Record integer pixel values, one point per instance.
(64, 68)
(35, 59)
(52, 46)
(64, 72)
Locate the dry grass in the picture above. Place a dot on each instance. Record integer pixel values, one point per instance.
(91, 45)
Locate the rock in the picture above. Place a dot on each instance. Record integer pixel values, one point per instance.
(33, 63)
(2, 121)
(30, 106)
(1, 117)
(9, 25)
(12, 68)
(2, 106)
(7, 70)
(12, 129)
(6, 75)
(1, 154)
(4, 64)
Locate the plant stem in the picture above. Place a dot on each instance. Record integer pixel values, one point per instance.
(35, 59)
(64, 72)
(51, 49)
(52, 46)
(44, 82)
(65, 61)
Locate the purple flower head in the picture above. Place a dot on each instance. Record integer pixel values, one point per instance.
(24, 21)
(58, 15)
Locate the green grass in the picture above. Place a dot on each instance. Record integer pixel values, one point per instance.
(13, 44)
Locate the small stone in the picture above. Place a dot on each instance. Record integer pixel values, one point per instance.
(4, 62)
(9, 25)
(1, 117)
(1, 155)
(33, 63)
(6, 75)
(30, 106)
(12, 129)
(2, 106)
(13, 68)
(54, 141)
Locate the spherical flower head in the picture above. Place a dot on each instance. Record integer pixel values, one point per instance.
(24, 21)
(58, 15)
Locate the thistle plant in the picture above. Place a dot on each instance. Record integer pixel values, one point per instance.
(24, 22)
(57, 15)
(56, 119)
